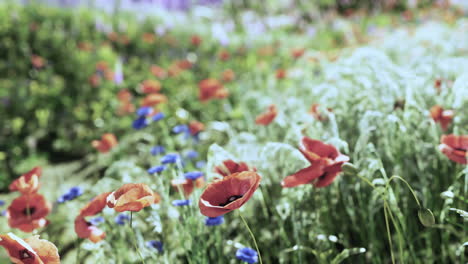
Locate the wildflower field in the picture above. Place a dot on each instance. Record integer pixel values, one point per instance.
(234, 132)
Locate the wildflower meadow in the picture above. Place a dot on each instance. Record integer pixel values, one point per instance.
(211, 131)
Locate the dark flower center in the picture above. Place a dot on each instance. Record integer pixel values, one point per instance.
(24, 254)
(29, 210)
(231, 199)
(323, 176)
(460, 149)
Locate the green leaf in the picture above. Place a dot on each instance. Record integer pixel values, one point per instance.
(426, 217)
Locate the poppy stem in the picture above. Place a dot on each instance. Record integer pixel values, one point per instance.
(135, 243)
(253, 237)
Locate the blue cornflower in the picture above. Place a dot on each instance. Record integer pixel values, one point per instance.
(96, 220)
(121, 219)
(180, 128)
(2, 203)
(247, 254)
(144, 111)
(193, 175)
(3, 213)
(170, 158)
(200, 164)
(154, 244)
(70, 194)
(214, 221)
(156, 169)
(191, 154)
(181, 202)
(140, 123)
(156, 150)
(158, 116)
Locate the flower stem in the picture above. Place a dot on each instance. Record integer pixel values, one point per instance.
(135, 244)
(253, 237)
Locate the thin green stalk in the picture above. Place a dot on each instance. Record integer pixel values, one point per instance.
(135, 243)
(253, 237)
(78, 247)
(388, 232)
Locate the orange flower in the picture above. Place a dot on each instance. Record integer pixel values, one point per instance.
(150, 86)
(126, 108)
(228, 75)
(132, 197)
(158, 71)
(230, 167)
(280, 74)
(37, 61)
(153, 99)
(297, 53)
(94, 80)
(211, 88)
(196, 127)
(28, 182)
(109, 75)
(85, 229)
(188, 185)
(267, 117)
(314, 111)
(124, 95)
(27, 212)
(149, 38)
(107, 142)
(455, 147)
(444, 117)
(102, 66)
(29, 251)
(326, 162)
(224, 55)
(227, 194)
(195, 40)
(85, 46)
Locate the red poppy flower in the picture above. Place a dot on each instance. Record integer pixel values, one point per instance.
(94, 80)
(455, 147)
(85, 229)
(438, 85)
(109, 75)
(229, 193)
(224, 55)
(195, 40)
(124, 95)
(102, 66)
(37, 61)
(107, 142)
(228, 75)
(280, 74)
(27, 212)
(267, 117)
(326, 162)
(126, 108)
(153, 99)
(158, 72)
(29, 251)
(230, 167)
(196, 127)
(132, 197)
(188, 185)
(211, 88)
(314, 111)
(149, 38)
(444, 117)
(28, 182)
(297, 53)
(184, 64)
(150, 86)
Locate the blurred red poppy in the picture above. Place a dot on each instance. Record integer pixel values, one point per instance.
(314, 111)
(196, 127)
(85, 229)
(211, 88)
(195, 40)
(153, 99)
(297, 53)
(267, 117)
(124, 95)
(85, 46)
(188, 185)
(326, 162)
(27, 212)
(149, 38)
(132, 197)
(184, 64)
(150, 86)
(230, 167)
(438, 85)
(28, 182)
(102, 66)
(280, 74)
(455, 147)
(228, 75)
(229, 193)
(37, 61)
(107, 142)
(30, 250)
(224, 55)
(94, 80)
(444, 117)
(158, 71)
